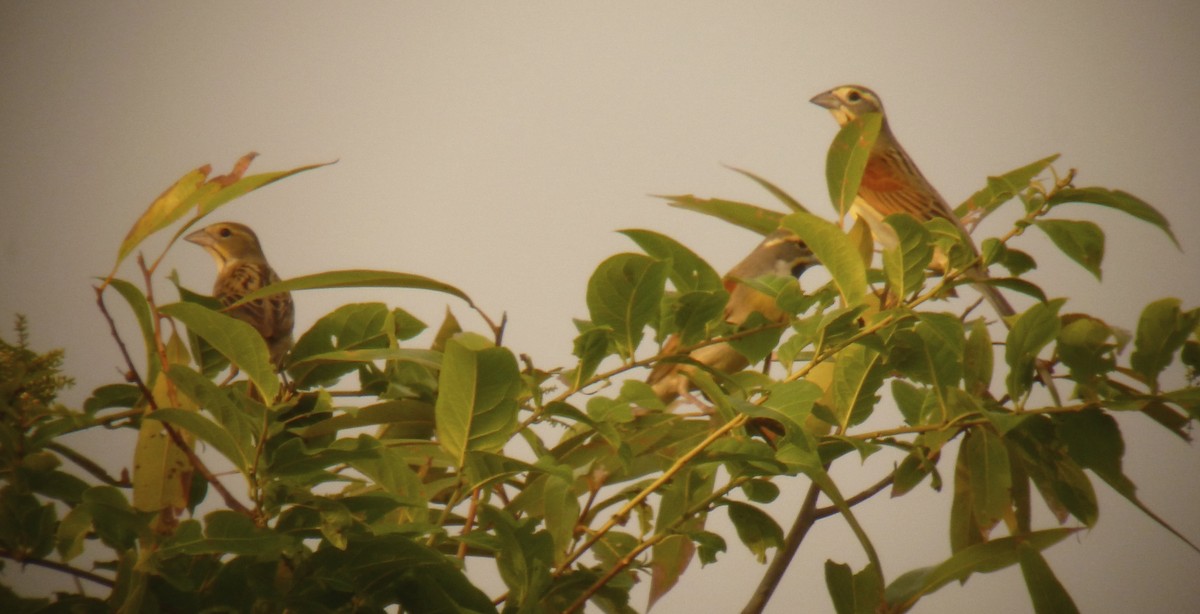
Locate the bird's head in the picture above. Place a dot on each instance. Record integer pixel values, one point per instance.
(780, 253)
(228, 242)
(848, 102)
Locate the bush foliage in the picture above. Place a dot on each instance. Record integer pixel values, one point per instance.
(365, 477)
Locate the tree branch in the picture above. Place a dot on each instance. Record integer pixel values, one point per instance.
(63, 567)
(783, 557)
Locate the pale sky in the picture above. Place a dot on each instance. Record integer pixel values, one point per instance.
(498, 146)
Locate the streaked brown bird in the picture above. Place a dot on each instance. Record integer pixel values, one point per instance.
(892, 183)
(241, 269)
(780, 253)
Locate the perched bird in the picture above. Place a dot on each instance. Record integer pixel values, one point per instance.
(241, 269)
(780, 253)
(892, 183)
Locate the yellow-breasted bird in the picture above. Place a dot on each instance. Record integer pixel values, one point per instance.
(781, 253)
(892, 183)
(241, 269)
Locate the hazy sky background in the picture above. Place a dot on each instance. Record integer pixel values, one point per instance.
(497, 146)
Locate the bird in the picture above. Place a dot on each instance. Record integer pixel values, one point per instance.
(241, 269)
(892, 183)
(780, 253)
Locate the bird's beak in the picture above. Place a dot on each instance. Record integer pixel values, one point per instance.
(826, 99)
(200, 238)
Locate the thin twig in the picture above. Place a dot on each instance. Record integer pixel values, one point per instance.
(469, 523)
(63, 567)
(199, 466)
(624, 562)
(783, 557)
(87, 465)
(637, 500)
(874, 489)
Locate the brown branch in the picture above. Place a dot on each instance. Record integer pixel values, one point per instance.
(63, 567)
(622, 514)
(112, 327)
(468, 523)
(783, 557)
(653, 540)
(176, 438)
(874, 489)
(230, 500)
(87, 465)
(616, 569)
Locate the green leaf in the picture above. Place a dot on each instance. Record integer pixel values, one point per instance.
(386, 569)
(27, 526)
(1016, 261)
(1031, 332)
(356, 278)
(404, 419)
(751, 217)
(671, 556)
(836, 251)
(425, 358)
(857, 377)
(1015, 284)
(905, 264)
(624, 294)
(697, 313)
(1162, 330)
(755, 528)
(994, 555)
(227, 191)
(476, 408)
(1083, 346)
(990, 475)
(208, 431)
(350, 327)
(756, 347)
(847, 159)
(978, 358)
(950, 237)
(788, 402)
(171, 205)
(232, 410)
(562, 512)
(688, 271)
(141, 309)
(1094, 441)
(233, 338)
(1082, 241)
(523, 556)
(227, 533)
(944, 343)
(910, 400)
(1062, 483)
(1000, 190)
(590, 347)
(775, 191)
(117, 524)
(293, 458)
(839, 579)
(853, 593)
(1046, 592)
(1116, 199)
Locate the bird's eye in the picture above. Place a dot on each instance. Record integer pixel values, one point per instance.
(225, 232)
(854, 96)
